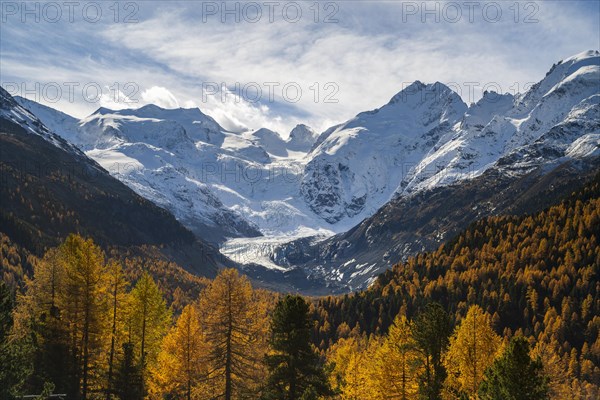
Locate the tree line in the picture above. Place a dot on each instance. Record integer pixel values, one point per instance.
(427, 359)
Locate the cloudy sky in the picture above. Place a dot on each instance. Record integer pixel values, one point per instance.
(275, 64)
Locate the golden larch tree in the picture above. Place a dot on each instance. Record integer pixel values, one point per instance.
(85, 308)
(148, 320)
(473, 348)
(116, 285)
(181, 369)
(398, 362)
(351, 359)
(235, 322)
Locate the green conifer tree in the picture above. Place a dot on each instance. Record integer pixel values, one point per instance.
(295, 369)
(515, 376)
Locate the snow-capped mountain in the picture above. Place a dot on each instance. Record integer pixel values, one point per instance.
(50, 189)
(426, 137)
(12, 111)
(253, 191)
(219, 184)
(556, 117)
(302, 138)
(484, 164)
(358, 165)
(150, 150)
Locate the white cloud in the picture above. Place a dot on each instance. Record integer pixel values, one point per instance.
(160, 96)
(237, 115)
(368, 65)
(114, 99)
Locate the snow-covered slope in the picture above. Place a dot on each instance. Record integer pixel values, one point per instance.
(219, 184)
(268, 140)
(62, 124)
(481, 163)
(50, 189)
(179, 160)
(11, 110)
(557, 117)
(358, 165)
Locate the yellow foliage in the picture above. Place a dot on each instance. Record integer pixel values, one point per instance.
(398, 363)
(473, 348)
(181, 366)
(235, 324)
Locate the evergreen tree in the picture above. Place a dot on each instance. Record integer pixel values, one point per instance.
(310, 394)
(515, 376)
(294, 366)
(128, 377)
(6, 308)
(431, 331)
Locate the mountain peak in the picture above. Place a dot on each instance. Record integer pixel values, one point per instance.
(302, 137)
(301, 126)
(583, 68)
(4, 93)
(583, 55)
(198, 125)
(152, 108)
(155, 111)
(266, 134)
(302, 132)
(418, 89)
(493, 96)
(103, 111)
(414, 87)
(6, 100)
(570, 65)
(264, 131)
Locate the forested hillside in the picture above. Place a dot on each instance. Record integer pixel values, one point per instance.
(535, 275)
